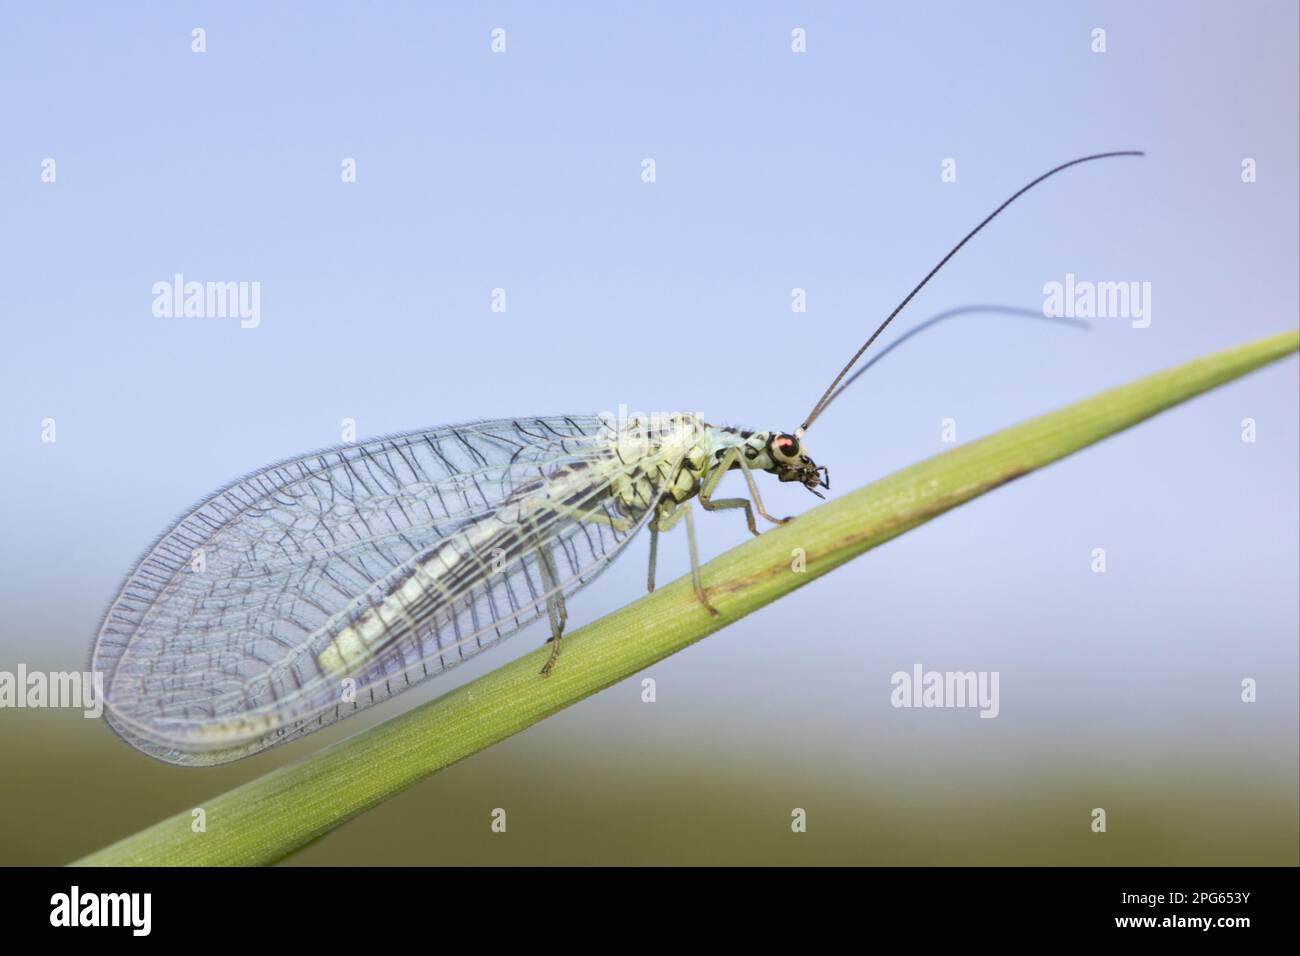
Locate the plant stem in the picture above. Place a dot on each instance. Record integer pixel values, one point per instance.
(268, 818)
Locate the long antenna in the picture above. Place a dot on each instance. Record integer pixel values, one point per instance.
(944, 316)
(830, 393)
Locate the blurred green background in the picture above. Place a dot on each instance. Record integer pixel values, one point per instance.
(576, 790)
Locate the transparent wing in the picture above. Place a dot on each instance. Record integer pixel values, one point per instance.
(318, 586)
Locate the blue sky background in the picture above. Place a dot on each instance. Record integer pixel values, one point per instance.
(774, 171)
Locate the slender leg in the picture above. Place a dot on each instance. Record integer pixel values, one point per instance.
(556, 612)
(599, 517)
(670, 522)
(753, 493)
(654, 553)
(561, 610)
(695, 561)
(710, 485)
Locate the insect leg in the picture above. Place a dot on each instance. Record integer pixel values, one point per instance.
(599, 517)
(654, 553)
(556, 612)
(710, 485)
(670, 522)
(695, 560)
(753, 493)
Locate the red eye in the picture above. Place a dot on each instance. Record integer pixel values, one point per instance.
(787, 445)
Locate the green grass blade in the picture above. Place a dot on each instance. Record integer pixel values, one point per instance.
(267, 819)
